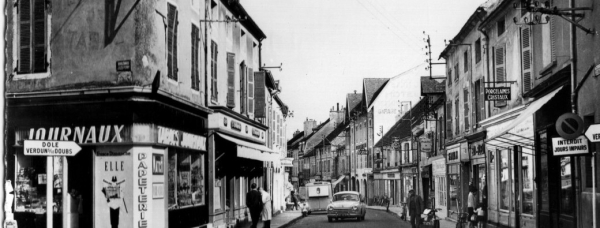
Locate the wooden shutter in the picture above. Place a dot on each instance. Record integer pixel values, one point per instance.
(230, 80)
(32, 36)
(500, 69)
(214, 52)
(250, 91)
(526, 58)
(243, 88)
(466, 109)
(449, 120)
(259, 95)
(449, 76)
(172, 42)
(466, 63)
(39, 35)
(25, 33)
(457, 116)
(195, 73)
(457, 72)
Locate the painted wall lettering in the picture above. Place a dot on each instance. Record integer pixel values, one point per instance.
(179, 138)
(142, 186)
(79, 134)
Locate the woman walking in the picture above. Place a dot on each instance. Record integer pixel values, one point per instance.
(267, 211)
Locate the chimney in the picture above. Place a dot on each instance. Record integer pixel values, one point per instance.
(338, 106)
(354, 91)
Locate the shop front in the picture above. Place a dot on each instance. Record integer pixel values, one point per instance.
(391, 185)
(240, 159)
(440, 184)
(457, 178)
(118, 179)
(478, 175)
(510, 150)
(408, 181)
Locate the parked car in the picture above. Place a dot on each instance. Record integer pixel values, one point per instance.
(347, 204)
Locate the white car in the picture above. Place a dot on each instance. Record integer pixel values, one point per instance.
(347, 204)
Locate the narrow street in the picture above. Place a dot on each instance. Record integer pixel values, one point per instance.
(374, 218)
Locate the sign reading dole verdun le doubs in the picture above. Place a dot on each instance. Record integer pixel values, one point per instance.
(497, 94)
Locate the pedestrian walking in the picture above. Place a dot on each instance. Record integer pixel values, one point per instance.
(254, 203)
(267, 210)
(294, 200)
(471, 205)
(415, 208)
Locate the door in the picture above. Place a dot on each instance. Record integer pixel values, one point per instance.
(80, 184)
(526, 188)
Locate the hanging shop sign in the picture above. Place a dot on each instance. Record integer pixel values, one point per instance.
(426, 145)
(568, 147)
(497, 94)
(593, 133)
(50, 148)
(569, 126)
(287, 162)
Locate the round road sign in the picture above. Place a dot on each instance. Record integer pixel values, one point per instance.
(569, 126)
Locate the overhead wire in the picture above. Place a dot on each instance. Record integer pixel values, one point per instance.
(416, 39)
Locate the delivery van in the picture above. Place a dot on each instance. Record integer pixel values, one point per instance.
(318, 195)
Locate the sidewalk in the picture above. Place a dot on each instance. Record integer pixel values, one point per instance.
(280, 220)
(398, 211)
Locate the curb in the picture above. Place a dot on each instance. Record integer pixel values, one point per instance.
(291, 222)
(391, 212)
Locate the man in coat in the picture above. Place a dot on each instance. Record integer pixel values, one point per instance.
(415, 208)
(254, 203)
(267, 210)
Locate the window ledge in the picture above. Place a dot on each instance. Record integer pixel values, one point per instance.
(31, 76)
(547, 69)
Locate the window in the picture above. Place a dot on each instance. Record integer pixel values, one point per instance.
(449, 76)
(32, 47)
(527, 170)
(172, 23)
(186, 179)
(230, 80)
(478, 50)
(466, 109)
(526, 58)
(500, 26)
(492, 188)
(456, 116)
(250, 91)
(454, 184)
(457, 72)
(500, 71)
(213, 66)
(243, 105)
(441, 187)
(449, 120)
(504, 176)
(31, 181)
(466, 62)
(195, 60)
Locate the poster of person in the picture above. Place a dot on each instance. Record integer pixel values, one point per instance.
(321, 190)
(114, 188)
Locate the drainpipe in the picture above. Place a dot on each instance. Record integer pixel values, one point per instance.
(206, 3)
(260, 53)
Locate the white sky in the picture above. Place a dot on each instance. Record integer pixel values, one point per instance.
(328, 46)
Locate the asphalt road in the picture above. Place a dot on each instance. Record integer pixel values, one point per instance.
(374, 218)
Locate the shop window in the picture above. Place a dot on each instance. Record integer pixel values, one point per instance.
(441, 187)
(567, 202)
(31, 181)
(186, 179)
(493, 177)
(504, 180)
(454, 187)
(527, 175)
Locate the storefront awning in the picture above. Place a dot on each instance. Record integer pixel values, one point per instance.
(338, 180)
(252, 151)
(519, 131)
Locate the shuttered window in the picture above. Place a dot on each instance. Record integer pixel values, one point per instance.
(477, 50)
(172, 23)
(457, 72)
(526, 58)
(213, 70)
(32, 36)
(195, 60)
(230, 80)
(500, 69)
(243, 88)
(466, 59)
(478, 105)
(250, 91)
(466, 109)
(449, 76)
(456, 116)
(449, 120)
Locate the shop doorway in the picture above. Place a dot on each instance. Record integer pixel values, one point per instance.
(80, 179)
